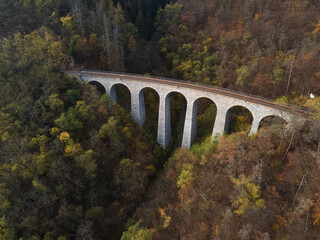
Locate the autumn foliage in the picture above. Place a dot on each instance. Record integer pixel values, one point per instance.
(262, 187)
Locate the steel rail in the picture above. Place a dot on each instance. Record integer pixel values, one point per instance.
(213, 89)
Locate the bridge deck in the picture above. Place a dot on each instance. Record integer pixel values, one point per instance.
(173, 82)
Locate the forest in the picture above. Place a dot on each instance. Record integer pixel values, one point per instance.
(73, 165)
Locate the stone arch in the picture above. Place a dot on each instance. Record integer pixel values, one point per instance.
(205, 116)
(122, 94)
(98, 86)
(177, 110)
(141, 91)
(151, 100)
(238, 114)
(272, 120)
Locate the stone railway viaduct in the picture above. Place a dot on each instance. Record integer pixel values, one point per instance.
(224, 100)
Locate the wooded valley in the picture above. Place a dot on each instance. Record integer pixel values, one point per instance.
(73, 165)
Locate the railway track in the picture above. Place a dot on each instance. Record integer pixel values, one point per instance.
(212, 89)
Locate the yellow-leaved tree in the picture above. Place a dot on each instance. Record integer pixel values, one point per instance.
(247, 195)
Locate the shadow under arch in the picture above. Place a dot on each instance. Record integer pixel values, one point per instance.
(98, 87)
(151, 101)
(272, 120)
(238, 119)
(122, 95)
(206, 111)
(178, 106)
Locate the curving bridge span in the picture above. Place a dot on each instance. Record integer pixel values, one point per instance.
(224, 99)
